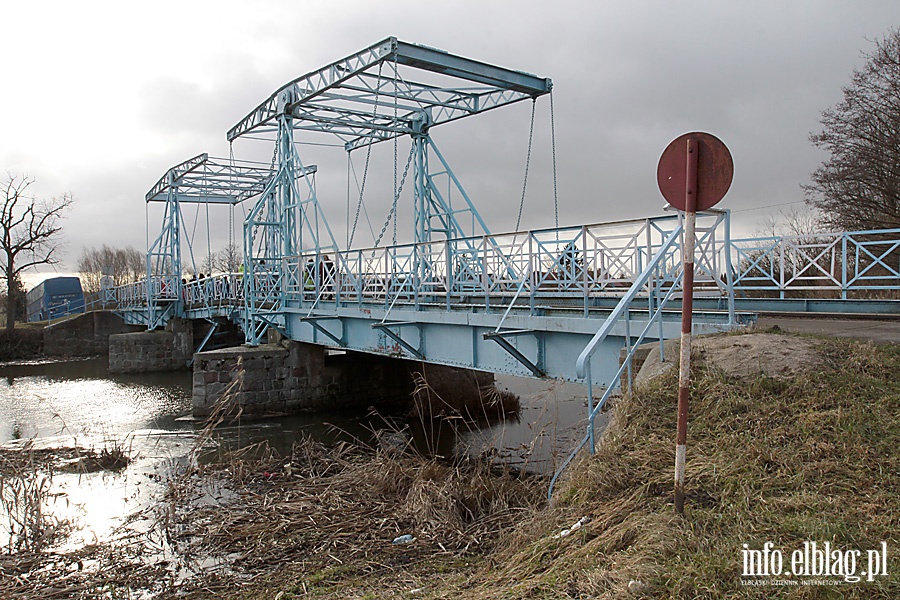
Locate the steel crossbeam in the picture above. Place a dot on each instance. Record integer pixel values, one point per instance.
(377, 94)
(213, 180)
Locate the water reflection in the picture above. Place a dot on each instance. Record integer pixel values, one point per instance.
(62, 404)
(80, 399)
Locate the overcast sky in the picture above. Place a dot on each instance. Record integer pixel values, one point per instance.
(100, 98)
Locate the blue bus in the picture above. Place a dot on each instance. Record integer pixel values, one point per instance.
(55, 297)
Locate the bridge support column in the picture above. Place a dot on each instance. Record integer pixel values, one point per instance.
(148, 351)
(272, 379)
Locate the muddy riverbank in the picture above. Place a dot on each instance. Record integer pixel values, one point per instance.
(162, 524)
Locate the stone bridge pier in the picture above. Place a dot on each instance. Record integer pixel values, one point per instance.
(285, 376)
(289, 377)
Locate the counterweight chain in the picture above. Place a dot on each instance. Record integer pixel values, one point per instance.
(393, 211)
(527, 164)
(362, 186)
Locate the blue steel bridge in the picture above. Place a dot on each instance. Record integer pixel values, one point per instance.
(560, 302)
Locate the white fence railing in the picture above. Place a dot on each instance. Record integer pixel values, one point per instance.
(572, 265)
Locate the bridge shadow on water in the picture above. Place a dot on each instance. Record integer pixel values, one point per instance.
(79, 399)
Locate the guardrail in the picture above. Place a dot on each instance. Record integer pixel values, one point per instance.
(572, 266)
(575, 264)
(832, 264)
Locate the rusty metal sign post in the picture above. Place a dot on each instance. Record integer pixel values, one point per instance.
(694, 173)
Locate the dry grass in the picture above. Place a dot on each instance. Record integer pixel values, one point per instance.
(814, 457)
(810, 457)
(328, 515)
(25, 482)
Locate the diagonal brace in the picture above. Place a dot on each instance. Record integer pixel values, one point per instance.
(385, 327)
(314, 321)
(513, 351)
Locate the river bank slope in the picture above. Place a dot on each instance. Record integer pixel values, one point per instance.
(778, 456)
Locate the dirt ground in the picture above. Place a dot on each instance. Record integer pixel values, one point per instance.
(864, 329)
(769, 354)
(766, 352)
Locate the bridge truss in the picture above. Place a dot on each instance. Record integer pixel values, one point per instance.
(203, 180)
(385, 91)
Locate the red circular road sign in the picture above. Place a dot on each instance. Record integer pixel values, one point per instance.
(715, 170)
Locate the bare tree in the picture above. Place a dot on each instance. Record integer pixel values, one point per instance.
(20, 307)
(792, 221)
(228, 259)
(858, 187)
(125, 264)
(29, 229)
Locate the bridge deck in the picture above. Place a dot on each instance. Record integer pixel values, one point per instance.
(527, 303)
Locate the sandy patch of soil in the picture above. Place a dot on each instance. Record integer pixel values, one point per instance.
(770, 354)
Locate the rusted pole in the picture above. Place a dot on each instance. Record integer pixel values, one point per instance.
(687, 306)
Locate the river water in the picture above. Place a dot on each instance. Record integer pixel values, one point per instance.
(79, 403)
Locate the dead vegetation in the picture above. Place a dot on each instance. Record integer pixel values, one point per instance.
(806, 455)
(782, 458)
(324, 514)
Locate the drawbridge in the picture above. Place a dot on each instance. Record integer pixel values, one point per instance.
(525, 303)
(556, 302)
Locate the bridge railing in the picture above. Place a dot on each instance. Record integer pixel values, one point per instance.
(571, 265)
(131, 295)
(578, 263)
(215, 291)
(827, 264)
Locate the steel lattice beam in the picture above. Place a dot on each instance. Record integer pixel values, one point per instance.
(214, 181)
(376, 94)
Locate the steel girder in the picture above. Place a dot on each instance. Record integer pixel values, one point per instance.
(213, 180)
(549, 343)
(377, 94)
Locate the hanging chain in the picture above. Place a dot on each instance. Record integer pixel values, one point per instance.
(231, 212)
(349, 167)
(394, 205)
(396, 192)
(362, 187)
(553, 146)
(527, 164)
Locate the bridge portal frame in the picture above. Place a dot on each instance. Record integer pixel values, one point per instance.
(200, 179)
(385, 91)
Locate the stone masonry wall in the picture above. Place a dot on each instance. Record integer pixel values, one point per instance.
(293, 377)
(84, 335)
(148, 351)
